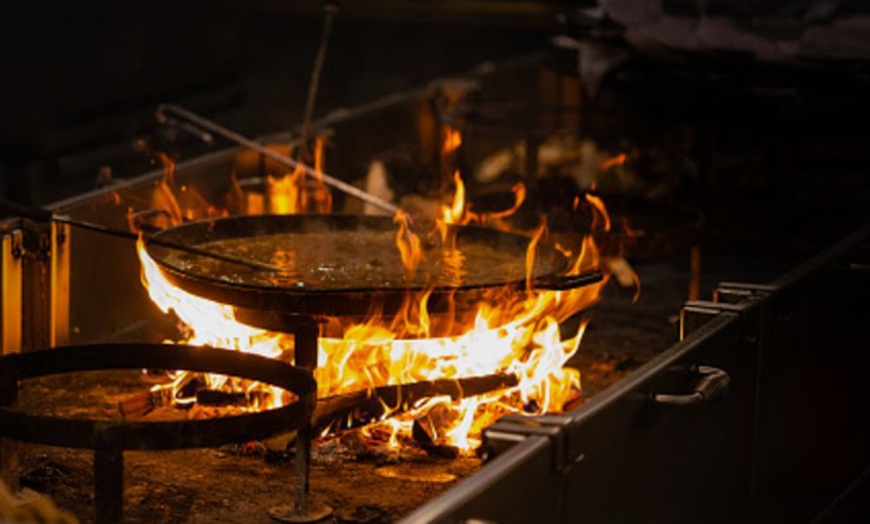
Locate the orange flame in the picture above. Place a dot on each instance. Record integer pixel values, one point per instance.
(600, 214)
(286, 194)
(520, 335)
(508, 333)
(531, 251)
(455, 213)
(519, 191)
(452, 140)
(170, 203)
(618, 160)
(408, 243)
(207, 323)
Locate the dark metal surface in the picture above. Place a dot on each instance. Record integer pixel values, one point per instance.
(792, 425)
(668, 465)
(358, 300)
(520, 486)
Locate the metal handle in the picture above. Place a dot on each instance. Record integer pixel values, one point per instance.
(565, 282)
(712, 385)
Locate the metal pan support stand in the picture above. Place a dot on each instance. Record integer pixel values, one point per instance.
(109, 439)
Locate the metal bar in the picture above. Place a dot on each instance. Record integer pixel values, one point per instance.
(176, 434)
(302, 465)
(165, 243)
(11, 250)
(330, 9)
(293, 164)
(305, 333)
(36, 285)
(834, 252)
(43, 216)
(9, 465)
(695, 272)
(108, 475)
(60, 275)
(516, 476)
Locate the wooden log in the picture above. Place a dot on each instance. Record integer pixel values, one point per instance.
(137, 405)
(359, 408)
(213, 397)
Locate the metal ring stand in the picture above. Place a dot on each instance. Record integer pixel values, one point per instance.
(109, 439)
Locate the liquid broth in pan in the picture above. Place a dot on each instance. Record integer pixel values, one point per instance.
(352, 260)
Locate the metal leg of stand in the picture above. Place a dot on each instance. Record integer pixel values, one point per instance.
(8, 447)
(108, 476)
(306, 332)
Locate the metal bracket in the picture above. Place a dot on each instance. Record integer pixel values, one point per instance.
(736, 292)
(512, 429)
(696, 313)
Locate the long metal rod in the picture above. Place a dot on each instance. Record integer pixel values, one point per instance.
(330, 9)
(38, 214)
(217, 129)
(165, 243)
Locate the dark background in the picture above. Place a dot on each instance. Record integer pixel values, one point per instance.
(757, 111)
(80, 79)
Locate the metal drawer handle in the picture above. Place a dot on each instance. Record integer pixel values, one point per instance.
(712, 385)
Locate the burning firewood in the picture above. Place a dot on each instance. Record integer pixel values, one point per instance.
(137, 405)
(425, 433)
(364, 407)
(213, 397)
